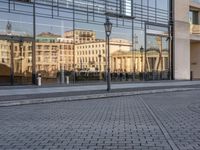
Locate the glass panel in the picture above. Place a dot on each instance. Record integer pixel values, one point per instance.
(157, 58)
(121, 50)
(90, 52)
(139, 52)
(5, 62)
(16, 25)
(152, 3)
(22, 59)
(54, 50)
(163, 4)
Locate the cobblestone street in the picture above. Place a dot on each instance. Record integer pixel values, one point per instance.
(163, 121)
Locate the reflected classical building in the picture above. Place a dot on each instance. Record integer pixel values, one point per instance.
(53, 53)
(155, 61)
(121, 61)
(22, 54)
(90, 55)
(81, 35)
(66, 38)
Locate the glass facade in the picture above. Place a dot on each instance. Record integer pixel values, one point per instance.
(65, 39)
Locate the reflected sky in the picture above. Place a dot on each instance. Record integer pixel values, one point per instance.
(22, 24)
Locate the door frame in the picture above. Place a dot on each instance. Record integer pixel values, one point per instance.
(12, 39)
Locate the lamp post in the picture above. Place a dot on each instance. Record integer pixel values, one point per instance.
(108, 29)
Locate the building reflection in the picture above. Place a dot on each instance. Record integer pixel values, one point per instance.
(19, 59)
(80, 51)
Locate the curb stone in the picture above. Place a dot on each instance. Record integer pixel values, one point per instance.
(87, 97)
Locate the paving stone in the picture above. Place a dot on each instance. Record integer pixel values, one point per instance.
(179, 113)
(110, 123)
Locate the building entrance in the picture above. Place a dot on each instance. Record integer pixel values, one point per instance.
(15, 60)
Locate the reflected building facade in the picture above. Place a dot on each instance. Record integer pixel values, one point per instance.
(66, 38)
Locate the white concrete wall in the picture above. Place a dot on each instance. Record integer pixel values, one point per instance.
(195, 60)
(182, 40)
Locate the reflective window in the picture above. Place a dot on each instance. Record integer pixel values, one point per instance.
(71, 41)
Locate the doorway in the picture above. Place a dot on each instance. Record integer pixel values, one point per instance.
(15, 60)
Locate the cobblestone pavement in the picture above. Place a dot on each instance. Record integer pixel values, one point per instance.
(180, 114)
(164, 121)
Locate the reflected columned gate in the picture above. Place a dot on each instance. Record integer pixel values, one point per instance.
(157, 63)
(66, 38)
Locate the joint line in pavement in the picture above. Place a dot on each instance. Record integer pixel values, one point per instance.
(160, 125)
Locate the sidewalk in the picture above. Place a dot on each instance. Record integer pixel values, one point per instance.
(67, 89)
(20, 95)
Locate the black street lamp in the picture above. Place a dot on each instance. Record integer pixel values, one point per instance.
(108, 29)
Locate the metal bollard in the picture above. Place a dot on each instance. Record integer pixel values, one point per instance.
(191, 75)
(67, 80)
(39, 78)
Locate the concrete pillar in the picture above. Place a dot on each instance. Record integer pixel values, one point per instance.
(182, 40)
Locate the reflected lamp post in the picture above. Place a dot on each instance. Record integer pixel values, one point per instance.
(142, 58)
(99, 66)
(9, 32)
(108, 29)
(135, 41)
(9, 28)
(62, 67)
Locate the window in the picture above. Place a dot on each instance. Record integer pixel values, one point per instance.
(193, 17)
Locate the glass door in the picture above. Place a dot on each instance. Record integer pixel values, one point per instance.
(15, 61)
